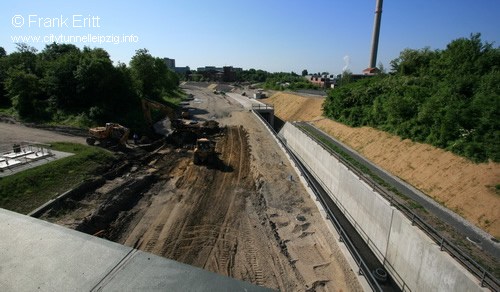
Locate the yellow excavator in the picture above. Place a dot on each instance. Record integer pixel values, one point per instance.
(108, 135)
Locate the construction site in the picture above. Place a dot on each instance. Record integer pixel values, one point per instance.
(220, 189)
(216, 193)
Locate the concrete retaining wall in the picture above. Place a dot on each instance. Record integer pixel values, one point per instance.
(409, 255)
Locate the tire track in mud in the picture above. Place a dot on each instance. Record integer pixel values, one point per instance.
(226, 254)
(206, 217)
(257, 275)
(175, 242)
(207, 201)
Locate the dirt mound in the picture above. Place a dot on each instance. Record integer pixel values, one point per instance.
(293, 107)
(465, 187)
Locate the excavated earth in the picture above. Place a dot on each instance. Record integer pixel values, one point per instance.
(247, 216)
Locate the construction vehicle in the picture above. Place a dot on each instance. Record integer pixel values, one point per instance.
(109, 135)
(181, 131)
(204, 152)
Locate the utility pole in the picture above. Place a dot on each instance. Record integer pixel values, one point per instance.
(375, 36)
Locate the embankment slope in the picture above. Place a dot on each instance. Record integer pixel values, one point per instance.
(463, 186)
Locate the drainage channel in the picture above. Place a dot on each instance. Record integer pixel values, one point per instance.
(368, 264)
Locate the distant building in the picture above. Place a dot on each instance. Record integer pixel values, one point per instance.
(210, 69)
(323, 81)
(182, 70)
(337, 81)
(371, 71)
(259, 94)
(170, 63)
(224, 74)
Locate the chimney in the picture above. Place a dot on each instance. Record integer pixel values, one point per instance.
(375, 36)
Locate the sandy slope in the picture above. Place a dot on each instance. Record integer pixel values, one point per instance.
(461, 185)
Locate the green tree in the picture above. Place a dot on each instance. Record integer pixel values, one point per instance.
(304, 72)
(151, 75)
(24, 56)
(59, 64)
(23, 88)
(413, 62)
(448, 98)
(95, 78)
(4, 99)
(346, 77)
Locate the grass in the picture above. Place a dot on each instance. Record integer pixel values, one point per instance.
(25, 191)
(174, 97)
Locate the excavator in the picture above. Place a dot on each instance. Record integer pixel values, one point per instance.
(148, 105)
(109, 135)
(183, 131)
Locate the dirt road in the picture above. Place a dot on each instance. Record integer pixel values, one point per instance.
(208, 218)
(16, 133)
(247, 217)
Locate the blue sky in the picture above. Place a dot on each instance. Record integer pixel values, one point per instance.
(274, 35)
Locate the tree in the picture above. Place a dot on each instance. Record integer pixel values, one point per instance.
(4, 100)
(346, 77)
(95, 78)
(304, 72)
(413, 62)
(381, 68)
(25, 56)
(448, 98)
(151, 75)
(23, 88)
(59, 64)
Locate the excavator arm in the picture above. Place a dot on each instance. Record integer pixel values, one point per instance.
(148, 105)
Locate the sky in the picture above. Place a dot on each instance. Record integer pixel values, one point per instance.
(273, 35)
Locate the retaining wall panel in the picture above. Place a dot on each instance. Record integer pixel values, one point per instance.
(410, 255)
(370, 215)
(421, 263)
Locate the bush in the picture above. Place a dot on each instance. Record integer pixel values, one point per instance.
(432, 97)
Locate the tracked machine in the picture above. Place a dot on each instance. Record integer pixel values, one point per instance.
(111, 134)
